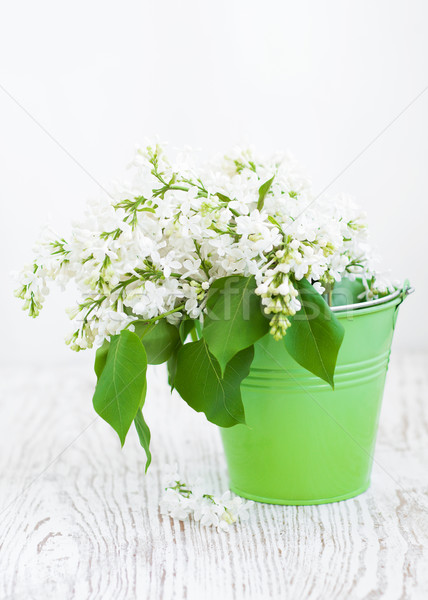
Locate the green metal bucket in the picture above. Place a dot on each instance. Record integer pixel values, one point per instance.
(303, 442)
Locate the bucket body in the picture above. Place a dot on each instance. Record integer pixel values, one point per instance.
(305, 443)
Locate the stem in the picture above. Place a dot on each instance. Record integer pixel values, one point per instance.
(203, 264)
(124, 283)
(209, 497)
(162, 316)
(179, 188)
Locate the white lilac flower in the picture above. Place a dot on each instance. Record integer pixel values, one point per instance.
(319, 288)
(175, 505)
(158, 242)
(180, 501)
(170, 475)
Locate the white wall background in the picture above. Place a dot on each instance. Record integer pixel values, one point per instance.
(319, 78)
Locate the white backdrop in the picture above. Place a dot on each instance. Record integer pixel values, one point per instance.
(322, 79)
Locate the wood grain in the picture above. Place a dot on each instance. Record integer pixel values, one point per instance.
(79, 519)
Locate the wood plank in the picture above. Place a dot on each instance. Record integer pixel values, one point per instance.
(79, 519)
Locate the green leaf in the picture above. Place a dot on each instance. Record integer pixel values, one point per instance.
(185, 328)
(143, 394)
(142, 428)
(101, 358)
(223, 197)
(159, 339)
(235, 318)
(263, 190)
(346, 291)
(120, 388)
(274, 222)
(144, 436)
(198, 330)
(199, 382)
(172, 367)
(315, 335)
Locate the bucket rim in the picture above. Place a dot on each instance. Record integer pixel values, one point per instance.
(394, 298)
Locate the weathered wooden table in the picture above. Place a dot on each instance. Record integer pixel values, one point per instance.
(79, 519)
